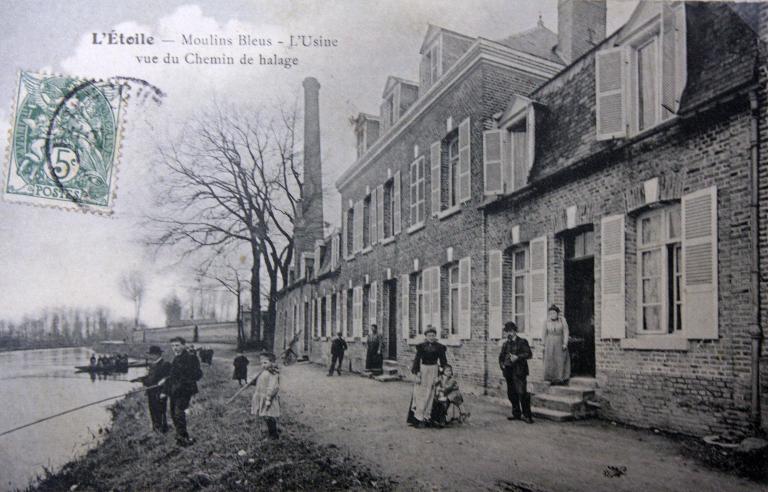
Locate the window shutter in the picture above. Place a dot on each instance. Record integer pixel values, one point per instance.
(538, 291)
(357, 311)
(328, 326)
(334, 251)
(612, 274)
(344, 229)
(610, 102)
(318, 316)
(465, 298)
(494, 294)
(380, 211)
(342, 317)
(465, 163)
(372, 221)
(507, 162)
(434, 159)
(373, 308)
(426, 304)
(414, 192)
(530, 128)
(436, 299)
(699, 244)
(396, 204)
(492, 157)
(520, 159)
(358, 226)
(405, 297)
(673, 58)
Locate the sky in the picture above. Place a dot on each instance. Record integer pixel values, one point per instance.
(50, 257)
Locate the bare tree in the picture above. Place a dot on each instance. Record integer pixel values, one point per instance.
(133, 287)
(233, 281)
(232, 178)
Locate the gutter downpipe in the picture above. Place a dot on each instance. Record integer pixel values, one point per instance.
(755, 330)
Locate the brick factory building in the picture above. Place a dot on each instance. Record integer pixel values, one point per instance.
(617, 177)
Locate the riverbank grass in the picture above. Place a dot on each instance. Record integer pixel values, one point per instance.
(231, 452)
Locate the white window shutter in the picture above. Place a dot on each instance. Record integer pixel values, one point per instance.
(612, 310)
(434, 159)
(373, 308)
(465, 163)
(507, 162)
(358, 226)
(494, 294)
(426, 304)
(465, 298)
(405, 297)
(357, 309)
(436, 299)
(328, 315)
(413, 184)
(610, 98)
(334, 251)
(699, 244)
(380, 211)
(373, 219)
(396, 204)
(493, 179)
(673, 58)
(530, 128)
(538, 292)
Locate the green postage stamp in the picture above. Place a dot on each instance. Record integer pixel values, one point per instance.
(65, 143)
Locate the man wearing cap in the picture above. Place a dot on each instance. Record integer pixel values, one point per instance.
(513, 361)
(181, 385)
(338, 347)
(157, 370)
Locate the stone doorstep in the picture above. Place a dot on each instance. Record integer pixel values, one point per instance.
(567, 404)
(584, 382)
(549, 414)
(581, 393)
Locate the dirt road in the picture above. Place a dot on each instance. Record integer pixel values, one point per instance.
(367, 418)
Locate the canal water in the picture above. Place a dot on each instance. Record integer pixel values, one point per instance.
(38, 383)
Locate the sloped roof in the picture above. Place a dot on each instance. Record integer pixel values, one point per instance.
(538, 41)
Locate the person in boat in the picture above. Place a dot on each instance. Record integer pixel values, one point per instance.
(157, 370)
(181, 386)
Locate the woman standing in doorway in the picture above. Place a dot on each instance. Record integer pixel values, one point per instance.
(430, 356)
(557, 361)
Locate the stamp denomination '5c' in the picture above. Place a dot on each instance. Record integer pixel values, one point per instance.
(65, 142)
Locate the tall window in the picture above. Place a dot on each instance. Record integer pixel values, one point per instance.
(389, 208)
(453, 299)
(659, 271)
(366, 308)
(334, 316)
(349, 316)
(417, 191)
(367, 222)
(323, 316)
(350, 232)
(453, 171)
(519, 278)
(647, 96)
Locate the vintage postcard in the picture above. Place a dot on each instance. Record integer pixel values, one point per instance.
(505, 245)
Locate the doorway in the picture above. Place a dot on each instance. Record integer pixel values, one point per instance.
(392, 320)
(579, 309)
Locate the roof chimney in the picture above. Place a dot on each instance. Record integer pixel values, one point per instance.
(309, 224)
(580, 26)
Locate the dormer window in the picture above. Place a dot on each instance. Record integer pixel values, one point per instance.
(508, 152)
(640, 81)
(389, 110)
(432, 64)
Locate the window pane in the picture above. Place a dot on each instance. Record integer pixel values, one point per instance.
(651, 320)
(520, 322)
(674, 223)
(651, 291)
(519, 304)
(650, 227)
(520, 284)
(520, 261)
(651, 263)
(589, 241)
(578, 245)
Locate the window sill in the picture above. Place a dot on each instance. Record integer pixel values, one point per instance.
(415, 228)
(366, 250)
(388, 240)
(444, 214)
(349, 258)
(655, 342)
(448, 342)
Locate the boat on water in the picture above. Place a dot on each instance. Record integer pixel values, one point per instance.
(122, 367)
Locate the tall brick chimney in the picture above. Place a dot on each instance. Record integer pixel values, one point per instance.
(309, 225)
(580, 26)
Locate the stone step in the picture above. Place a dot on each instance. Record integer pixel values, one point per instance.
(386, 378)
(566, 404)
(549, 414)
(581, 392)
(536, 387)
(584, 382)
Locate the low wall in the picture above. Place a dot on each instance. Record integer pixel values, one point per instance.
(209, 333)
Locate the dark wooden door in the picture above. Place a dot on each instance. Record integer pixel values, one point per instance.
(580, 314)
(392, 322)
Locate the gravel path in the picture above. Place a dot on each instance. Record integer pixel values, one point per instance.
(367, 418)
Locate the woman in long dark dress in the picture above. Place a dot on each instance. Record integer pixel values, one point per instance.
(430, 356)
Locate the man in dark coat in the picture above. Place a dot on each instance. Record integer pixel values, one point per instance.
(181, 385)
(157, 370)
(513, 361)
(338, 347)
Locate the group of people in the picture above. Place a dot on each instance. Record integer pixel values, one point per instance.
(429, 400)
(175, 381)
(114, 361)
